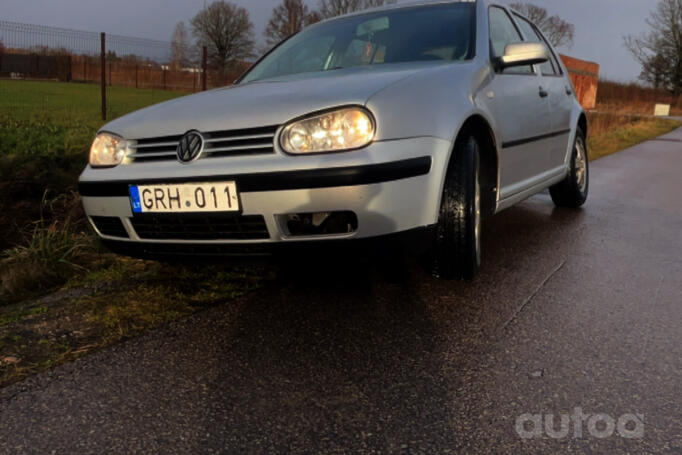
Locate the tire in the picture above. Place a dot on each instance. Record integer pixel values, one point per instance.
(572, 191)
(456, 252)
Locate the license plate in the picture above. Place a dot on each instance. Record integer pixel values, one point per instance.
(185, 198)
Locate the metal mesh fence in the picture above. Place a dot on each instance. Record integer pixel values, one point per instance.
(133, 71)
(38, 38)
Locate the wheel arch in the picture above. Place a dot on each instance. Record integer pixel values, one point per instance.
(582, 123)
(480, 128)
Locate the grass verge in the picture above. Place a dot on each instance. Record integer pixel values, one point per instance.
(121, 299)
(62, 295)
(45, 132)
(611, 133)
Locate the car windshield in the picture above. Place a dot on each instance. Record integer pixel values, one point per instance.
(425, 33)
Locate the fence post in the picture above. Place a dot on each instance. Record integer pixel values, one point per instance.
(109, 74)
(135, 75)
(103, 79)
(194, 81)
(85, 69)
(164, 78)
(204, 65)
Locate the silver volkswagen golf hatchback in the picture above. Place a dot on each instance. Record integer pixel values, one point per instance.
(410, 122)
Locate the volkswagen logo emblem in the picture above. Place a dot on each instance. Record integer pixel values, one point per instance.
(190, 147)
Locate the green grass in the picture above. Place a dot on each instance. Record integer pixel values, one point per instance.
(90, 298)
(50, 256)
(71, 103)
(46, 129)
(45, 133)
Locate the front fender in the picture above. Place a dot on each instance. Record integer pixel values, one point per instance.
(437, 103)
(426, 104)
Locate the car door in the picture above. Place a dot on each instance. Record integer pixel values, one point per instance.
(522, 112)
(560, 94)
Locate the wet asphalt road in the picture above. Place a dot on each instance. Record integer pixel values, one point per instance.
(572, 309)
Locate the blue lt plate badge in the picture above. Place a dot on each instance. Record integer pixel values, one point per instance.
(135, 199)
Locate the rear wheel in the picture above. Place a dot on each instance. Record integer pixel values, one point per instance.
(456, 252)
(572, 191)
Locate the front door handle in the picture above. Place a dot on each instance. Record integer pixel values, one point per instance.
(569, 92)
(543, 93)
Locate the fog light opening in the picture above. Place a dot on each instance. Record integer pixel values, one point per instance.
(321, 223)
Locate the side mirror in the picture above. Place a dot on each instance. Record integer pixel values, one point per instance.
(522, 54)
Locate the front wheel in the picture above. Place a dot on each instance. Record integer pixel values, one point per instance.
(572, 191)
(456, 252)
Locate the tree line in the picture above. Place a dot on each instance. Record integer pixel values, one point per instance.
(227, 32)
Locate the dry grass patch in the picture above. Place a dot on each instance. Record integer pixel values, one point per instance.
(610, 133)
(633, 98)
(103, 307)
(55, 247)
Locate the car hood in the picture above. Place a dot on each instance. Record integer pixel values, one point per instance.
(262, 103)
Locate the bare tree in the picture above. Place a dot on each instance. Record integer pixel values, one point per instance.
(660, 50)
(331, 8)
(227, 31)
(180, 50)
(288, 18)
(558, 32)
(655, 71)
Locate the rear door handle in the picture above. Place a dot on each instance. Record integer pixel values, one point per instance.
(543, 93)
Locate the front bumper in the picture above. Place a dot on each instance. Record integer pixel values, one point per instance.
(392, 187)
(414, 241)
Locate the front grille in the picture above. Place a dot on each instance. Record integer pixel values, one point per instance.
(248, 141)
(110, 225)
(200, 227)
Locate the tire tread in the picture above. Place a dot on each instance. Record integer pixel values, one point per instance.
(454, 250)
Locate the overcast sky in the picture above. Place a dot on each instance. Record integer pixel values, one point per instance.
(600, 24)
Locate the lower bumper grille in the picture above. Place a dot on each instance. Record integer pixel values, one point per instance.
(203, 227)
(110, 225)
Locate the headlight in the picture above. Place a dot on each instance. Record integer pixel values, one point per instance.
(344, 129)
(107, 150)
